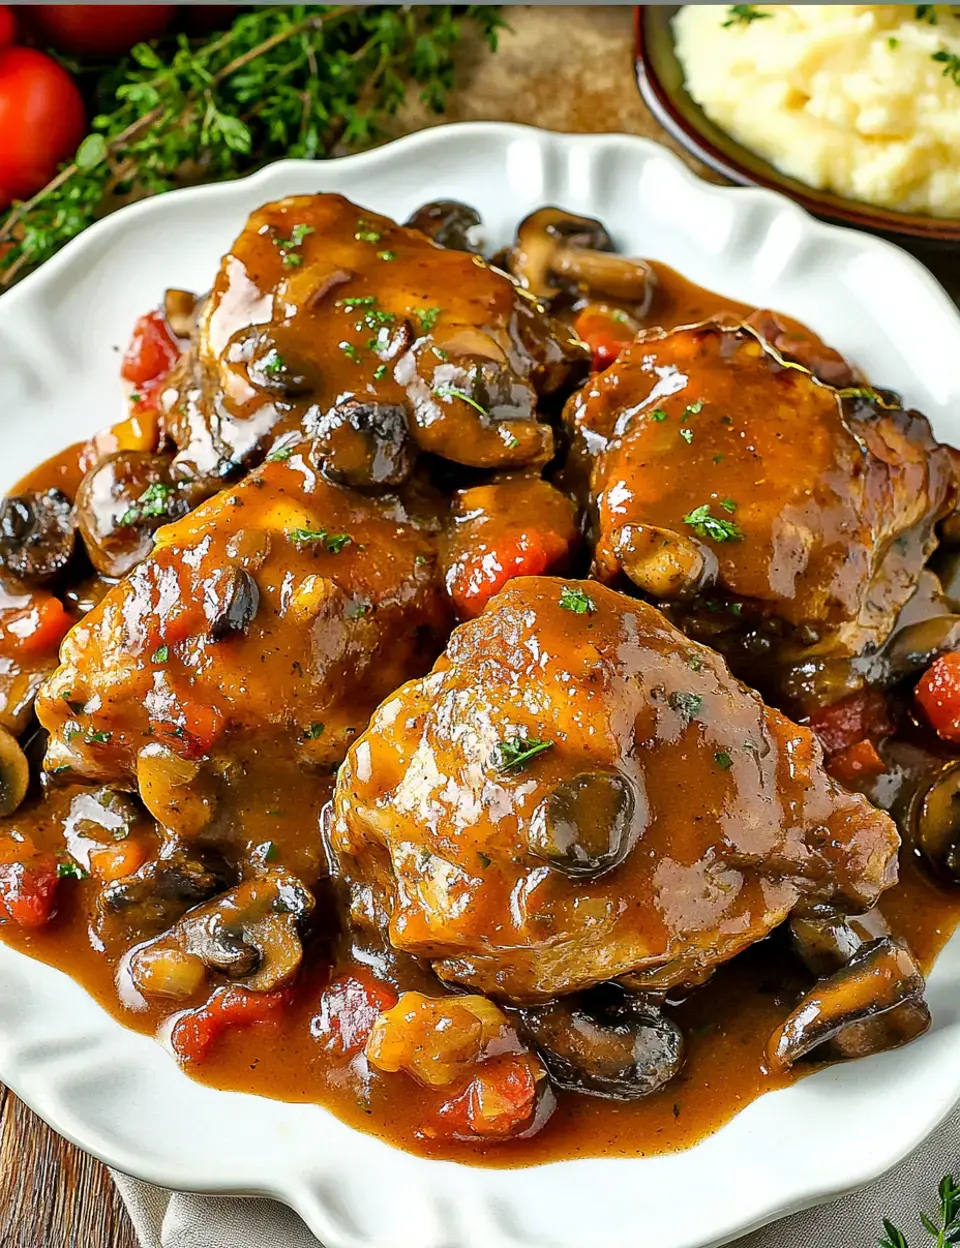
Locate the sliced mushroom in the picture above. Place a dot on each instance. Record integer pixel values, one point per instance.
(616, 1047)
(121, 503)
(449, 223)
(14, 773)
(588, 824)
(363, 442)
(664, 564)
(934, 823)
(913, 648)
(238, 601)
(36, 535)
(159, 893)
(882, 976)
(180, 310)
(556, 251)
(250, 934)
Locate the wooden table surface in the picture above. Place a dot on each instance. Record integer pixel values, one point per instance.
(51, 1194)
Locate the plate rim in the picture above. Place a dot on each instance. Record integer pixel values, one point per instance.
(297, 1193)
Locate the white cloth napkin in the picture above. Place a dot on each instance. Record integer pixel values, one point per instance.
(175, 1220)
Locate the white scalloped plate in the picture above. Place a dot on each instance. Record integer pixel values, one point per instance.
(118, 1094)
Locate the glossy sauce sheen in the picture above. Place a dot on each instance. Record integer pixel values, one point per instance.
(726, 1021)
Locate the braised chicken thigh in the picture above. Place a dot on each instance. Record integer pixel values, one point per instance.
(781, 520)
(577, 793)
(371, 337)
(281, 610)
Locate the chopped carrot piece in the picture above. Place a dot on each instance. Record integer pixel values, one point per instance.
(857, 762)
(938, 694)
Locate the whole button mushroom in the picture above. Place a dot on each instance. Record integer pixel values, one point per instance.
(588, 824)
(121, 503)
(36, 535)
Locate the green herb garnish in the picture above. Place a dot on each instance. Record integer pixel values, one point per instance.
(687, 705)
(428, 317)
(925, 13)
(279, 453)
(98, 738)
(153, 503)
(687, 435)
(712, 527)
(453, 392)
(743, 15)
(950, 62)
(728, 505)
(485, 860)
(518, 752)
(943, 1227)
(350, 351)
(380, 372)
(334, 542)
(576, 600)
(658, 414)
(76, 707)
(723, 760)
(692, 409)
(386, 255)
(161, 654)
(70, 870)
(274, 363)
(314, 731)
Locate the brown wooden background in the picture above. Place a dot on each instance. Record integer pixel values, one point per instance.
(562, 68)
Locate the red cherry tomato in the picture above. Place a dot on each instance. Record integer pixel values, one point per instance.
(152, 351)
(8, 26)
(939, 696)
(42, 121)
(98, 29)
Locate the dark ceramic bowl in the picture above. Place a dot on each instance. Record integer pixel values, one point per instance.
(660, 78)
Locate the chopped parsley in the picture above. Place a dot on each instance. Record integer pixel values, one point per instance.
(280, 453)
(950, 62)
(692, 409)
(866, 392)
(386, 255)
(687, 705)
(718, 459)
(452, 392)
(267, 851)
(365, 235)
(350, 351)
(358, 610)
(288, 246)
(576, 600)
(152, 503)
(76, 707)
(695, 664)
(723, 760)
(893, 43)
(658, 414)
(98, 738)
(70, 870)
(428, 317)
(744, 14)
(687, 435)
(274, 363)
(379, 372)
(161, 654)
(925, 13)
(356, 301)
(512, 443)
(519, 752)
(334, 542)
(485, 859)
(712, 527)
(728, 505)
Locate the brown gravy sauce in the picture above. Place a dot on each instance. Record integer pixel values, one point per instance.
(726, 1022)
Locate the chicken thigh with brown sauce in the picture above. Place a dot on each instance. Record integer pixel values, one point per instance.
(375, 340)
(771, 515)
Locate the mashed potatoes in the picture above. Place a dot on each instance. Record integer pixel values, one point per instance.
(863, 100)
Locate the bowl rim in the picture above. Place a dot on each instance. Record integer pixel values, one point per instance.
(824, 204)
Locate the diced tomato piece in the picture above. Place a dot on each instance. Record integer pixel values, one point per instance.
(34, 629)
(857, 762)
(479, 574)
(152, 352)
(938, 694)
(861, 716)
(28, 883)
(499, 1103)
(196, 1032)
(606, 331)
(349, 1007)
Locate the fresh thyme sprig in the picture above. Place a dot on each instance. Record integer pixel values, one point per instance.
(286, 80)
(945, 1230)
